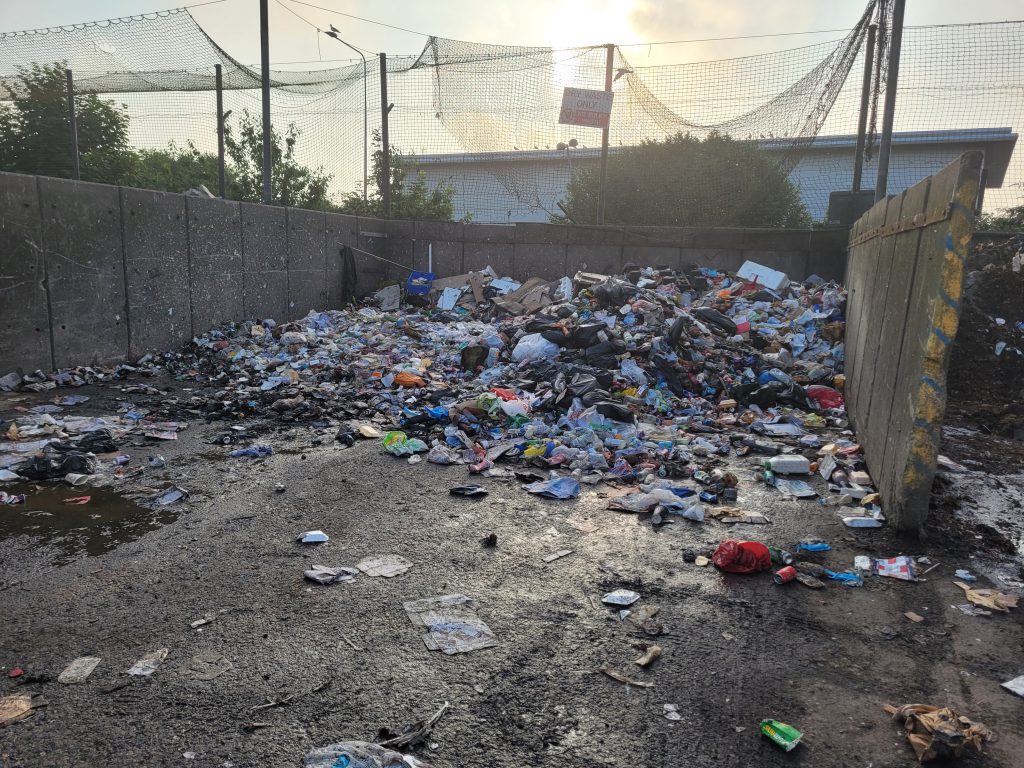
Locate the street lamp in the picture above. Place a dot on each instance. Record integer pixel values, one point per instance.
(333, 32)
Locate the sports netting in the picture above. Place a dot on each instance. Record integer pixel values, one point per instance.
(483, 119)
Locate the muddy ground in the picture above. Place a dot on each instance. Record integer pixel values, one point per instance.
(117, 581)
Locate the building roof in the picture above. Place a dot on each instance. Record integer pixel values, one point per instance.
(998, 144)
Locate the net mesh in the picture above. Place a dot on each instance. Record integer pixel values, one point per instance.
(483, 119)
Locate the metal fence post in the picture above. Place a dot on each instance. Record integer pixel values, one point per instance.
(603, 193)
(885, 145)
(268, 162)
(385, 148)
(76, 171)
(865, 98)
(220, 129)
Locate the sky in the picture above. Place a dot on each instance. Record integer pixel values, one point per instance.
(234, 24)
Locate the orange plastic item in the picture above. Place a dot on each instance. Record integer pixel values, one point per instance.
(409, 380)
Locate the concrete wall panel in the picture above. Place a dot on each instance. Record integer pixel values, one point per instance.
(476, 256)
(24, 314)
(339, 230)
(545, 261)
(85, 271)
(307, 264)
(215, 254)
(156, 260)
(265, 261)
(447, 257)
(602, 259)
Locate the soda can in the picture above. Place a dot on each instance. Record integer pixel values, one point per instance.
(785, 575)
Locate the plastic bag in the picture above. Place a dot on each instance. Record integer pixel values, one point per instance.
(558, 488)
(533, 346)
(742, 556)
(359, 754)
(399, 444)
(825, 397)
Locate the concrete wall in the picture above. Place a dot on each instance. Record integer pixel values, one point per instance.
(91, 273)
(551, 251)
(903, 309)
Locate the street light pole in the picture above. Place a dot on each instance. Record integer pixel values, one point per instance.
(366, 119)
(265, 76)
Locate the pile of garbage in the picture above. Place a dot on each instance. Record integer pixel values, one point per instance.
(991, 333)
(641, 378)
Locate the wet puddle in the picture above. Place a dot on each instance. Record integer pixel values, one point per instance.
(73, 530)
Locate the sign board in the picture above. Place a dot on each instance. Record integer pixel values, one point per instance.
(581, 106)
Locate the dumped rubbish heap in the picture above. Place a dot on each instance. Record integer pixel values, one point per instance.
(991, 339)
(642, 378)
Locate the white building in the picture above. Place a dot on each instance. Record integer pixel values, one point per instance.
(482, 180)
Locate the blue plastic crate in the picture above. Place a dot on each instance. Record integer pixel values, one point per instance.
(419, 283)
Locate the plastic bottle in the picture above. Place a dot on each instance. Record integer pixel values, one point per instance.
(788, 465)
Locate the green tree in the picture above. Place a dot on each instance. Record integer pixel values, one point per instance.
(683, 181)
(34, 129)
(175, 169)
(411, 198)
(1008, 220)
(293, 184)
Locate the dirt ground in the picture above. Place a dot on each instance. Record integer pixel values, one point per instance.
(120, 581)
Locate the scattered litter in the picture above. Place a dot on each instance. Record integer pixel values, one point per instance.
(359, 754)
(616, 675)
(652, 652)
(557, 555)
(369, 431)
(206, 666)
(965, 575)
(988, 598)
(1015, 686)
(557, 488)
(642, 620)
(468, 490)
(450, 624)
(313, 537)
(671, 712)
(490, 541)
(171, 495)
(938, 733)
(620, 597)
(811, 544)
(411, 734)
(387, 566)
(786, 736)
(156, 462)
(149, 663)
(901, 567)
(741, 556)
(253, 452)
(79, 670)
(79, 500)
(325, 575)
(203, 621)
(19, 706)
(969, 610)
(796, 488)
(914, 617)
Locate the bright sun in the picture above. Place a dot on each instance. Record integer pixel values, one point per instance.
(571, 23)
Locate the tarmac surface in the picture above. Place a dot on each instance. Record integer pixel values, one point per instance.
(117, 581)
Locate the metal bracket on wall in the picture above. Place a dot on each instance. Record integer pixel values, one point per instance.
(919, 221)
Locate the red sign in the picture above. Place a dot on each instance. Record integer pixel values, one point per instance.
(581, 106)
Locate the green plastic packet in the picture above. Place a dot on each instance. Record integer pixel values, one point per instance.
(786, 736)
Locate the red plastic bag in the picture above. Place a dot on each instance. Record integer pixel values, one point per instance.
(742, 556)
(825, 397)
